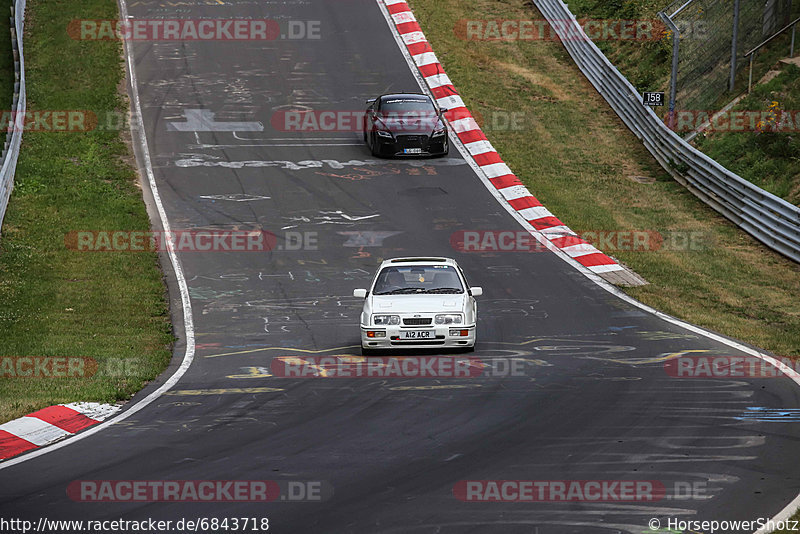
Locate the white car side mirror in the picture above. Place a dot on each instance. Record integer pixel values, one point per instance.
(476, 291)
(360, 293)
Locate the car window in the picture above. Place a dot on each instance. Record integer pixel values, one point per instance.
(402, 106)
(415, 279)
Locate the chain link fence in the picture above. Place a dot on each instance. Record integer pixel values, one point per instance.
(770, 219)
(706, 30)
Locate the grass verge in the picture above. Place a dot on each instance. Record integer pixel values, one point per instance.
(647, 64)
(578, 158)
(769, 159)
(109, 307)
(765, 160)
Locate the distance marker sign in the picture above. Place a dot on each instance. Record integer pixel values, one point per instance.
(653, 99)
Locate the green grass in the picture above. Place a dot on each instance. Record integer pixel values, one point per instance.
(57, 302)
(645, 63)
(769, 159)
(578, 158)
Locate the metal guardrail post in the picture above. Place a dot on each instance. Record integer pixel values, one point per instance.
(9, 156)
(734, 44)
(676, 47)
(792, 25)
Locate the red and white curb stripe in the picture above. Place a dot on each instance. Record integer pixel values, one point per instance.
(483, 153)
(50, 425)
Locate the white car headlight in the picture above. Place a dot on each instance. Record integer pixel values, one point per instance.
(449, 318)
(384, 133)
(385, 319)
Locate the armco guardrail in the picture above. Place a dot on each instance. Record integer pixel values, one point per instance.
(770, 219)
(14, 137)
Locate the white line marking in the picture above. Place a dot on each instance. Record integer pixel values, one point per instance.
(94, 410)
(403, 17)
(583, 249)
(413, 37)
(792, 506)
(479, 147)
(450, 102)
(603, 268)
(495, 170)
(188, 321)
(465, 125)
(438, 80)
(34, 430)
(282, 145)
(514, 192)
(426, 58)
(558, 231)
(531, 214)
(240, 138)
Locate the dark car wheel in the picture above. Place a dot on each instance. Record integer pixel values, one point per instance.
(446, 150)
(375, 149)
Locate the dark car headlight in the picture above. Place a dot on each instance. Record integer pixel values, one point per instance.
(439, 131)
(384, 133)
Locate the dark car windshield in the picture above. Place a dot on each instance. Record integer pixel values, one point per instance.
(407, 105)
(416, 279)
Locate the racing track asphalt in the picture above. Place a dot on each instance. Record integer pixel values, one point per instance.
(589, 407)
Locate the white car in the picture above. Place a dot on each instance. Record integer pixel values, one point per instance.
(418, 303)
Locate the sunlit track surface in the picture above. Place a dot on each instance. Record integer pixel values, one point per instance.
(594, 402)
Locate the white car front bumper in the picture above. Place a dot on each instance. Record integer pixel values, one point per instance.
(441, 336)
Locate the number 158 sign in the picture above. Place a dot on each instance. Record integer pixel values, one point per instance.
(653, 99)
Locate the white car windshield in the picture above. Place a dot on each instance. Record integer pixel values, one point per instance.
(416, 279)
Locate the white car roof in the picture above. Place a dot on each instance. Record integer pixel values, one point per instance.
(419, 260)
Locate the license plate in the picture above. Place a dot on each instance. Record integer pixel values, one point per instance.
(412, 151)
(416, 334)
